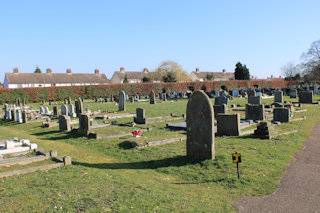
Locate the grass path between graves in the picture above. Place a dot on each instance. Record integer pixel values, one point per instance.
(146, 178)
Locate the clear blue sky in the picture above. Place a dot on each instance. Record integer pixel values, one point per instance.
(211, 35)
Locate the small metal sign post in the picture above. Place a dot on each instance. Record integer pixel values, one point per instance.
(236, 158)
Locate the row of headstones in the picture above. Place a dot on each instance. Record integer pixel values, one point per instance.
(15, 114)
(200, 124)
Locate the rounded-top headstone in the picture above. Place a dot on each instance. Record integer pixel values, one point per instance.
(200, 127)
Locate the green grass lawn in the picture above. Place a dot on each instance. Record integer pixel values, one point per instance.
(107, 176)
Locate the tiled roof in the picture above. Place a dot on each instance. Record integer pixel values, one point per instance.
(131, 75)
(54, 78)
(217, 75)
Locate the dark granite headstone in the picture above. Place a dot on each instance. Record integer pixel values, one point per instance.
(200, 127)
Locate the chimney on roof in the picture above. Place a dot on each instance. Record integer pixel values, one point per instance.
(224, 70)
(68, 71)
(121, 69)
(279, 76)
(15, 70)
(145, 70)
(96, 71)
(48, 70)
(271, 76)
(197, 70)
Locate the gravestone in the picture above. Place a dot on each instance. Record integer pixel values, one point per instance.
(111, 98)
(79, 107)
(264, 131)
(220, 109)
(18, 116)
(41, 110)
(306, 97)
(278, 97)
(84, 124)
(251, 92)
(228, 124)
(64, 123)
(47, 111)
(6, 109)
(281, 114)
(9, 114)
(64, 110)
(24, 117)
(69, 100)
(200, 127)
(152, 97)
(140, 116)
(221, 100)
(122, 101)
(254, 99)
(55, 111)
(72, 112)
(255, 112)
(132, 99)
(293, 93)
(235, 93)
(13, 113)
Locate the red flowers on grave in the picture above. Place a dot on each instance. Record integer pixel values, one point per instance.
(136, 133)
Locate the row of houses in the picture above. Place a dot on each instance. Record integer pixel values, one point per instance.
(49, 79)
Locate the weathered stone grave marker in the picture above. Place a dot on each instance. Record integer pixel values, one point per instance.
(64, 123)
(278, 97)
(281, 114)
(64, 110)
(152, 97)
(228, 124)
(200, 127)
(122, 101)
(140, 116)
(255, 112)
(306, 97)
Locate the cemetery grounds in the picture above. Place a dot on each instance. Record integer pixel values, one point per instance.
(108, 175)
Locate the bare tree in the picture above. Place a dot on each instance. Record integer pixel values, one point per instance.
(289, 70)
(311, 62)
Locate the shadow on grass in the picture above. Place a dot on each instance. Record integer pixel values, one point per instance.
(4, 122)
(57, 135)
(154, 164)
(46, 133)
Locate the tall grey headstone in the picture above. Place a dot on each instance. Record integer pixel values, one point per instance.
(41, 110)
(55, 111)
(84, 124)
(18, 116)
(152, 97)
(72, 112)
(24, 117)
(122, 101)
(64, 123)
(200, 127)
(164, 96)
(64, 110)
(79, 107)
